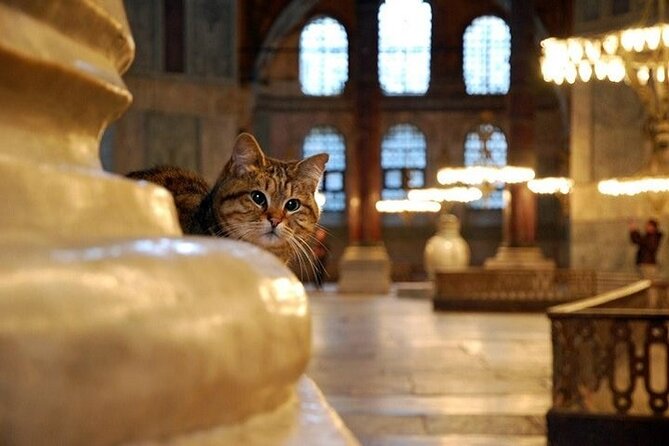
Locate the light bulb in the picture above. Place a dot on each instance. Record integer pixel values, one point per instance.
(610, 44)
(575, 50)
(593, 50)
(584, 70)
(642, 75)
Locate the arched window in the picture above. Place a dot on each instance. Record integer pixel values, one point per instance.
(405, 31)
(325, 139)
(403, 159)
(323, 57)
(486, 145)
(486, 53)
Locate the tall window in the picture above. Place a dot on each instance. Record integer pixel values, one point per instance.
(486, 53)
(486, 145)
(323, 57)
(403, 159)
(325, 139)
(405, 29)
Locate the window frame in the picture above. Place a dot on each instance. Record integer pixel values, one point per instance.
(318, 56)
(484, 48)
(407, 53)
(405, 171)
(495, 201)
(325, 185)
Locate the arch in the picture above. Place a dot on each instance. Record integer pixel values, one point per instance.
(486, 52)
(323, 57)
(403, 160)
(327, 139)
(405, 36)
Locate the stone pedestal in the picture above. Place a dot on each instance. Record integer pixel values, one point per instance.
(530, 258)
(114, 328)
(365, 269)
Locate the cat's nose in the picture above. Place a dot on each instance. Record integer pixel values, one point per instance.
(274, 221)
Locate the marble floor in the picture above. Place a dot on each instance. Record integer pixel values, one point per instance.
(401, 375)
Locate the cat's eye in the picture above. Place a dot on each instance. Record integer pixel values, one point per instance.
(292, 205)
(258, 198)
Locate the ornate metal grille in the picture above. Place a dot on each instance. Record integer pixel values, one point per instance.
(323, 57)
(325, 139)
(612, 357)
(486, 54)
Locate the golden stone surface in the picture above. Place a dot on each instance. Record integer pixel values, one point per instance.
(113, 327)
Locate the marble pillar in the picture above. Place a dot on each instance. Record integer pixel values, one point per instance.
(365, 265)
(518, 248)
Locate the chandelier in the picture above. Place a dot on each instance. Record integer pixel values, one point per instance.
(429, 200)
(402, 206)
(639, 56)
(551, 185)
(486, 172)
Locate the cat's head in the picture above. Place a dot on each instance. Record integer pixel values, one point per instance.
(268, 202)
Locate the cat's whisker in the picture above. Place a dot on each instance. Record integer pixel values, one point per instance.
(246, 199)
(306, 251)
(315, 260)
(297, 256)
(316, 240)
(322, 228)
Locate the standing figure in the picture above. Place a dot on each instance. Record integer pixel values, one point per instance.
(648, 244)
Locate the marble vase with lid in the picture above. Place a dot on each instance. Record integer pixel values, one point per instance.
(446, 250)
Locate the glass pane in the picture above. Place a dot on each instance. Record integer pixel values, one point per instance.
(334, 181)
(393, 194)
(493, 154)
(403, 146)
(486, 54)
(493, 201)
(416, 179)
(404, 57)
(334, 201)
(325, 139)
(393, 179)
(323, 57)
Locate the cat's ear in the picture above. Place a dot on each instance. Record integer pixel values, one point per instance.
(246, 154)
(311, 169)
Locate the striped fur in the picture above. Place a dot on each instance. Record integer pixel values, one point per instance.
(228, 210)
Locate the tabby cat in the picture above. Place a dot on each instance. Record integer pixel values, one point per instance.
(265, 201)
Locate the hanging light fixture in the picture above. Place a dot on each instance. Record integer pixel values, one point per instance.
(486, 172)
(551, 185)
(402, 206)
(639, 56)
(449, 194)
(429, 200)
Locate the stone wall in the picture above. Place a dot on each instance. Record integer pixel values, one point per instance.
(283, 116)
(606, 140)
(191, 118)
(188, 119)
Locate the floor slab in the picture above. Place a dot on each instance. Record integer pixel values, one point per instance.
(399, 373)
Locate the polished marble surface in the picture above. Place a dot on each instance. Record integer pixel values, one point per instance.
(400, 374)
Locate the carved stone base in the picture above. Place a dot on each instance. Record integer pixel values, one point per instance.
(519, 258)
(364, 269)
